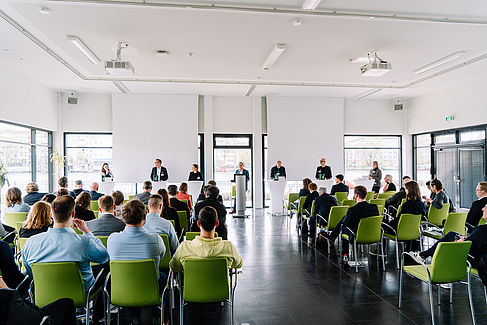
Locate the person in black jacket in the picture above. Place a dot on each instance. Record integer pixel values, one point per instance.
(339, 186)
(78, 184)
(323, 171)
(33, 194)
(83, 207)
(313, 194)
(212, 201)
(475, 212)
(195, 174)
(203, 193)
(278, 169)
(389, 184)
(362, 209)
(323, 204)
(159, 172)
(305, 190)
(396, 199)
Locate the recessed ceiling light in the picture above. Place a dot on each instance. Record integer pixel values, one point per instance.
(296, 22)
(85, 50)
(439, 62)
(45, 11)
(310, 4)
(190, 53)
(274, 56)
(162, 53)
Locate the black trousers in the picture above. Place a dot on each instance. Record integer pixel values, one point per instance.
(10, 272)
(61, 312)
(375, 189)
(98, 304)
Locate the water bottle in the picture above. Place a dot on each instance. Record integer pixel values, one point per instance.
(276, 177)
(103, 178)
(157, 178)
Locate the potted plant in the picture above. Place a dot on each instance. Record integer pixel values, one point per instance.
(59, 161)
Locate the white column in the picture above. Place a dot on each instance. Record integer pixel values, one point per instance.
(208, 131)
(257, 152)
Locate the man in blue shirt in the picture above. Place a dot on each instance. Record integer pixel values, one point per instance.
(61, 244)
(155, 224)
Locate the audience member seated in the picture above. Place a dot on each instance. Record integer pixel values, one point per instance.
(339, 186)
(106, 223)
(78, 188)
(305, 190)
(39, 220)
(313, 194)
(134, 243)
(168, 212)
(206, 245)
(440, 195)
(432, 194)
(14, 201)
(195, 174)
(362, 209)
(155, 224)
(33, 195)
(61, 192)
(63, 184)
(62, 244)
(396, 199)
(48, 198)
(118, 199)
(323, 204)
(145, 195)
(9, 270)
(183, 195)
(172, 190)
(94, 191)
(389, 186)
(83, 207)
(212, 201)
(475, 213)
(202, 195)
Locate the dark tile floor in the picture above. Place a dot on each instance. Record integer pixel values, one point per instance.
(286, 282)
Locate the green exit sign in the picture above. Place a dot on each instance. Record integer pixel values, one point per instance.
(449, 118)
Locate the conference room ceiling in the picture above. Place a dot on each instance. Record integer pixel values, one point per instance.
(230, 41)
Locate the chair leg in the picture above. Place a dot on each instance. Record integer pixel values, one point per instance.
(439, 295)
(485, 294)
(451, 293)
(355, 255)
(383, 256)
(87, 312)
(430, 292)
(470, 298)
(400, 288)
(397, 253)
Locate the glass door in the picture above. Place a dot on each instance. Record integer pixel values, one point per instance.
(447, 172)
(472, 167)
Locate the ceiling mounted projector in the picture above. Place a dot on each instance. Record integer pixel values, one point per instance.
(376, 66)
(117, 66)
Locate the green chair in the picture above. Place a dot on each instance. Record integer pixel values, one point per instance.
(386, 195)
(183, 220)
(53, 281)
(454, 222)
(190, 235)
(378, 201)
(436, 216)
(96, 214)
(381, 209)
(184, 200)
(131, 197)
(207, 280)
(76, 230)
(94, 206)
(299, 212)
(125, 292)
(18, 225)
(103, 240)
(336, 215)
(447, 266)
(164, 261)
(291, 197)
(233, 190)
(369, 231)
(408, 228)
(11, 218)
(341, 196)
(20, 246)
(349, 203)
(475, 273)
(173, 223)
(370, 196)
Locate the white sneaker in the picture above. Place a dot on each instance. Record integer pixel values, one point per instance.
(417, 258)
(446, 285)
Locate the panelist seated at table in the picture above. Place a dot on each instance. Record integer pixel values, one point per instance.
(278, 170)
(159, 172)
(323, 171)
(106, 174)
(195, 174)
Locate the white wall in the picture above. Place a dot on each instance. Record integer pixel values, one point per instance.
(372, 117)
(26, 102)
(232, 115)
(93, 113)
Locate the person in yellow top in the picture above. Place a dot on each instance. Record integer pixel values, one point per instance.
(206, 245)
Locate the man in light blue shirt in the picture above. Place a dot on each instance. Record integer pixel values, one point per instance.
(61, 244)
(155, 224)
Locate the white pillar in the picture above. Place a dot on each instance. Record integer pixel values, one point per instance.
(208, 132)
(257, 152)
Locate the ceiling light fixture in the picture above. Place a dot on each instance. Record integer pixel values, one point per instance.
(310, 4)
(368, 93)
(85, 50)
(439, 62)
(45, 11)
(121, 86)
(274, 56)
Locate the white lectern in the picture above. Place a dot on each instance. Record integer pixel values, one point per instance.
(325, 183)
(106, 187)
(277, 194)
(240, 195)
(194, 189)
(158, 185)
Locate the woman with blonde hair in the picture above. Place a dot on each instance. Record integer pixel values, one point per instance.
(183, 194)
(38, 220)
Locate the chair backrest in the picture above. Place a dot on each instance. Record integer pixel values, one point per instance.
(103, 240)
(233, 190)
(455, 222)
(164, 261)
(206, 280)
(190, 235)
(94, 206)
(436, 216)
(370, 196)
(76, 230)
(380, 207)
(369, 230)
(349, 203)
(336, 215)
(11, 218)
(134, 283)
(408, 226)
(482, 221)
(386, 195)
(131, 197)
(291, 197)
(184, 200)
(96, 214)
(449, 262)
(58, 280)
(18, 225)
(301, 203)
(400, 206)
(21, 243)
(341, 196)
(378, 201)
(183, 220)
(173, 223)
(312, 211)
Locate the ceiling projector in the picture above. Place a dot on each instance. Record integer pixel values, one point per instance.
(376, 66)
(117, 66)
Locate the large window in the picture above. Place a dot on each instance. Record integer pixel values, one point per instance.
(361, 151)
(229, 150)
(422, 159)
(86, 154)
(25, 153)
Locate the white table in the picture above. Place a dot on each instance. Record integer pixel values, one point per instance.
(158, 185)
(368, 183)
(106, 187)
(194, 189)
(276, 188)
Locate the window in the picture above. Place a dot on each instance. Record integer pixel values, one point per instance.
(201, 153)
(86, 154)
(472, 136)
(422, 159)
(445, 138)
(25, 153)
(361, 151)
